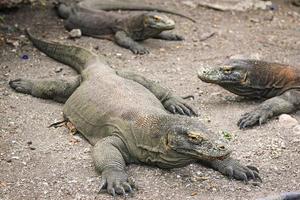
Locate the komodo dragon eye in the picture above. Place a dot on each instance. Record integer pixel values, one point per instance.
(227, 70)
(195, 136)
(156, 18)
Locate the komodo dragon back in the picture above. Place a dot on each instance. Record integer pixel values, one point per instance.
(120, 5)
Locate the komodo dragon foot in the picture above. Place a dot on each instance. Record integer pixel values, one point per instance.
(258, 116)
(21, 85)
(234, 170)
(115, 182)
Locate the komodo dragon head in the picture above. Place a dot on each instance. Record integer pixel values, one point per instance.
(252, 78)
(158, 21)
(150, 24)
(196, 143)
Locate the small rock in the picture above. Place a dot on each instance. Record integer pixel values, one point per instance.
(189, 4)
(254, 20)
(32, 148)
(194, 193)
(75, 33)
(287, 121)
(59, 69)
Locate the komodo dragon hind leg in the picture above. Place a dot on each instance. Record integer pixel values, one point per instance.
(57, 89)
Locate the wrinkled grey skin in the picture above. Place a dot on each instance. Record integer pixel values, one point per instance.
(278, 83)
(127, 118)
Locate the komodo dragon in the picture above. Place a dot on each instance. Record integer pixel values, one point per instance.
(278, 83)
(93, 20)
(124, 116)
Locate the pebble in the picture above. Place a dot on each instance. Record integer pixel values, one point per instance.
(59, 69)
(287, 121)
(189, 4)
(75, 33)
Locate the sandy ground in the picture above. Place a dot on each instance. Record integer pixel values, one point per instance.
(37, 162)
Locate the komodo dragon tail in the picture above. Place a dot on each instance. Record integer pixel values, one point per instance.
(75, 57)
(119, 5)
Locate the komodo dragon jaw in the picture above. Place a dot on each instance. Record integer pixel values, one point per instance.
(196, 144)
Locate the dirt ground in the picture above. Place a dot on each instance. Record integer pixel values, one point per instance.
(37, 162)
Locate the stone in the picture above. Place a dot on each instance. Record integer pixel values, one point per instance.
(75, 33)
(190, 4)
(287, 121)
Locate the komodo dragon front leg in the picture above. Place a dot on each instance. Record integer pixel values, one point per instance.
(233, 169)
(285, 103)
(110, 160)
(172, 103)
(57, 89)
(122, 39)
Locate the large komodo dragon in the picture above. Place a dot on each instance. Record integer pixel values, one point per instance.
(93, 20)
(124, 116)
(278, 83)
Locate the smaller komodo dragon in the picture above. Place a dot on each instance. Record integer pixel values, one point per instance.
(92, 18)
(278, 83)
(124, 116)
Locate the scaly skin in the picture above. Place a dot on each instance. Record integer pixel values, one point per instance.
(278, 83)
(283, 196)
(127, 118)
(93, 20)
